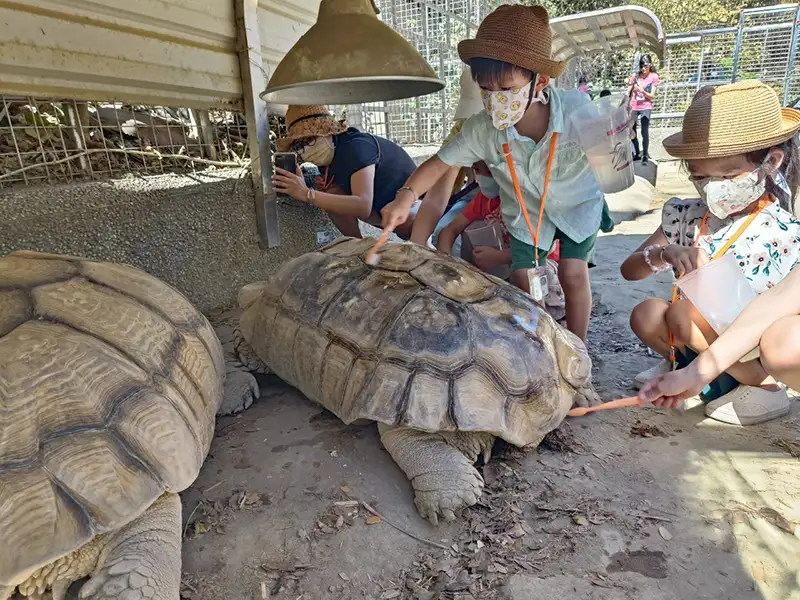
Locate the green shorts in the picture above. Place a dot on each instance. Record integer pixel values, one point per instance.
(522, 253)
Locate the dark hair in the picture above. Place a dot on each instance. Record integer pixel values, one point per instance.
(647, 60)
(491, 72)
(790, 169)
(582, 79)
(605, 93)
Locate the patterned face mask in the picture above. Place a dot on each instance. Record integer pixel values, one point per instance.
(507, 107)
(725, 197)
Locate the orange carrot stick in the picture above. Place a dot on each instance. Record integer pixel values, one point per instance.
(621, 403)
(372, 255)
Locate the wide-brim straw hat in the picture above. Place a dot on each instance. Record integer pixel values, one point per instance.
(308, 122)
(518, 35)
(733, 119)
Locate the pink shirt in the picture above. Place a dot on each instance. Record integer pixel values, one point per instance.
(639, 101)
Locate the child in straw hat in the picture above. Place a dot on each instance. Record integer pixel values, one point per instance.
(361, 172)
(511, 61)
(740, 150)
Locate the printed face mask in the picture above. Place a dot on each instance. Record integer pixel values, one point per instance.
(507, 107)
(725, 197)
(319, 151)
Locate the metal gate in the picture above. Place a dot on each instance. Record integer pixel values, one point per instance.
(764, 45)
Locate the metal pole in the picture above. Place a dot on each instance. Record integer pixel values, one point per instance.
(700, 65)
(738, 48)
(254, 81)
(792, 67)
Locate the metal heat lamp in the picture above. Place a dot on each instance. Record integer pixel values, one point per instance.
(350, 56)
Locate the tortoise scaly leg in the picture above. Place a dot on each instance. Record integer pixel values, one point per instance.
(444, 480)
(141, 561)
(241, 388)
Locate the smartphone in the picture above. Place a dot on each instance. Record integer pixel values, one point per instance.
(286, 161)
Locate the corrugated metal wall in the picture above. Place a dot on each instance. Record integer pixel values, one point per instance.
(165, 52)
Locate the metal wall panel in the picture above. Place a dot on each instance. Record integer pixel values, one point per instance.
(165, 52)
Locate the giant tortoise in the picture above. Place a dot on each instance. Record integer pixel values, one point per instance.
(443, 357)
(109, 384)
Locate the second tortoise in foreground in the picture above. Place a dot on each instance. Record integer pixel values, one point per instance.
(442, 357)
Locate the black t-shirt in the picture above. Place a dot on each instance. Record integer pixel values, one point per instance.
(356, 150)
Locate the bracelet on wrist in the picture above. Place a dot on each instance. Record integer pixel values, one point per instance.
(655, 268)
(311, 196)
(405, 188)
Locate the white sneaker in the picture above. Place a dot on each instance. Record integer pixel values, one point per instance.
(749, 405)
(663, 367)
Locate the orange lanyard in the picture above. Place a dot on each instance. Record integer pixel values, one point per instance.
(518, 192)
(721, 252)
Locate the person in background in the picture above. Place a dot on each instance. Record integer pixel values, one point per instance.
(770, 323)
(360, 172)
(738, 145)
(605, 93)
(583, 86)
(525, 112)
(642, 90)
(429, 218)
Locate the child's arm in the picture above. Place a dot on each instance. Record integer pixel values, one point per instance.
(433, 206)
(448, 235)
(635, 267)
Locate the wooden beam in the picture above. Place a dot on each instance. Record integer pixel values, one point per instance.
(564, 35)
(631, 27)
(598, 33)
(254, 81)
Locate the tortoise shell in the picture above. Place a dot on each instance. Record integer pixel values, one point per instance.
(422, 340)
(109, 384)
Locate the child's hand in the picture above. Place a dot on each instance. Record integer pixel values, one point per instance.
(487, 258)
(685, 259)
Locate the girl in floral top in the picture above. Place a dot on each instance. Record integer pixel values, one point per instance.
(740, 151)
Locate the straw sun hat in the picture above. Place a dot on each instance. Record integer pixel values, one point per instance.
(733, 119)
(307, 122)
(515, 34)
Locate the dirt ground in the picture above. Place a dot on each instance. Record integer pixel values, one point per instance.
(639, 503)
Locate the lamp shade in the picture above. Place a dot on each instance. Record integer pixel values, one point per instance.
(350, 56)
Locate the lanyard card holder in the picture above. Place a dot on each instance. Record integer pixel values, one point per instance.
(537, 281)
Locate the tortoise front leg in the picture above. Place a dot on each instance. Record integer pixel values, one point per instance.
(444, 480)
(141, 561)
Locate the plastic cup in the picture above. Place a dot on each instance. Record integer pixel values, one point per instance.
(720, 292)
(603, 129)
(481, 233)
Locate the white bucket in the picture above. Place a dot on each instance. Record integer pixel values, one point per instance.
(604, 132)
(720, 292)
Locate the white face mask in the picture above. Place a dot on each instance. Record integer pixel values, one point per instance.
(319, 151)
(725, 197)
(507, 107)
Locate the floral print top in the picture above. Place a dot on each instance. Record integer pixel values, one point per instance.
(767, 250)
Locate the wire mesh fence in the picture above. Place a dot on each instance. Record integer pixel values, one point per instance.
(49, 141)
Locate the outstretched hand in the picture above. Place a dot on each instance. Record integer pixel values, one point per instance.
(670, 390)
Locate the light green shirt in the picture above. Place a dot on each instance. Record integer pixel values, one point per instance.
(574, 201)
